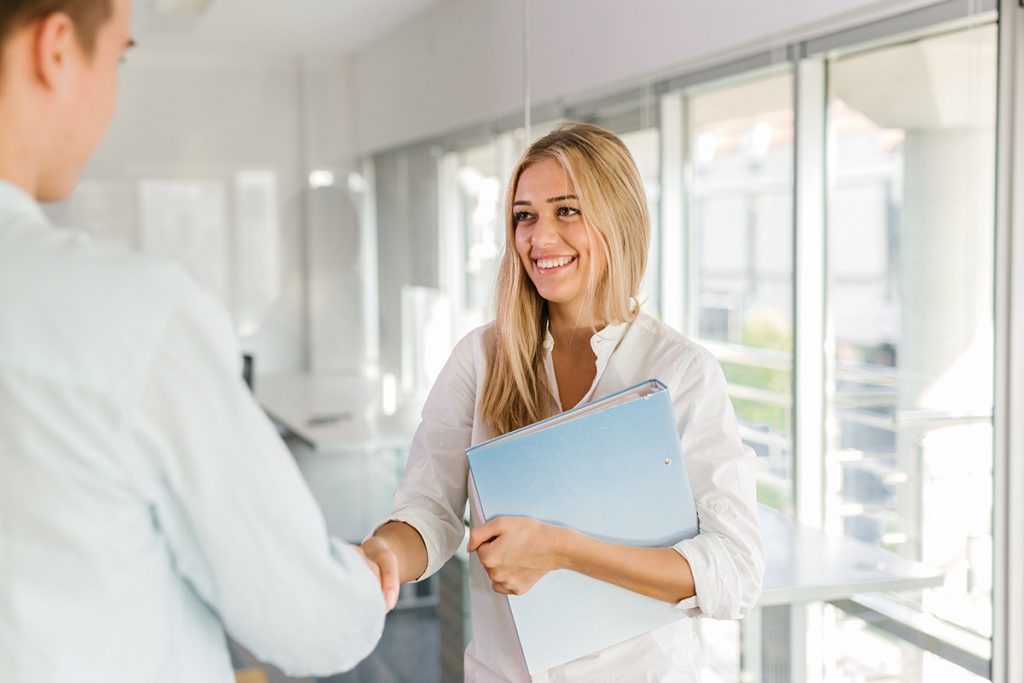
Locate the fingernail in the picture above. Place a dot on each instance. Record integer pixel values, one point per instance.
(391, 599)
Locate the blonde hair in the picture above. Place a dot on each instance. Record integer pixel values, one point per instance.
(614, 208)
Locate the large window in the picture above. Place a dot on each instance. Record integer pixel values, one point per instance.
(912, 133)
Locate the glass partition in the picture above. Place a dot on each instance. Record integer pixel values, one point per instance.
(910, 263)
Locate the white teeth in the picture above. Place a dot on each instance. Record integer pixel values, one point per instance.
(554, 262)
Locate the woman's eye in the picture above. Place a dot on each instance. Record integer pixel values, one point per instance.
(568, 211)
(520, 216)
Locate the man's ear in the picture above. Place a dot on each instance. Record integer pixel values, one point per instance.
(54, 48)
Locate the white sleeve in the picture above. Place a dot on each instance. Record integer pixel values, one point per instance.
(727, 556)
(432, 495)
(241, 525)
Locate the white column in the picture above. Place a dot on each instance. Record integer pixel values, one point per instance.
(1008, 594)
(674, 227)
(809, 343)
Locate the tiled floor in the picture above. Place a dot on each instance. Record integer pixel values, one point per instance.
(409, 652)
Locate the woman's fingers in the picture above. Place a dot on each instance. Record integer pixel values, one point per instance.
(484, 534)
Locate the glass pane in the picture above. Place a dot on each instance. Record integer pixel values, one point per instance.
(480, 188)
(644, 145)
(741, 139)
(472, 197)
(912, 131)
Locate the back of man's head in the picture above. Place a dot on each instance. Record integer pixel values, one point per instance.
(58, 87)
(87, 15)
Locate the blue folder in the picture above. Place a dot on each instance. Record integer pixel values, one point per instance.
(612, 469)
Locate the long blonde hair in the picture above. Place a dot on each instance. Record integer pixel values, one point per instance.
(614, 209)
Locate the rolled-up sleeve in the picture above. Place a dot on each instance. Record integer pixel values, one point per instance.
(241, 526)
(431, 497)
(727, 555)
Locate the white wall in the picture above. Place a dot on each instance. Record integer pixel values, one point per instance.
(460, 62)
(207, 118)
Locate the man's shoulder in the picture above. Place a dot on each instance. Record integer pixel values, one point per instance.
(83, 307)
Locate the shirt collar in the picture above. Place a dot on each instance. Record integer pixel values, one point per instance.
(603, 342)
(14, 200)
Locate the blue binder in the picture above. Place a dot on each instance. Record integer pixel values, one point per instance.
(612, 469)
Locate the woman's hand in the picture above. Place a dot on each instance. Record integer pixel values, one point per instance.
(517, 552)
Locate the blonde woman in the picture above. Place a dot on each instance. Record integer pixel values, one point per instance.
(569, 330)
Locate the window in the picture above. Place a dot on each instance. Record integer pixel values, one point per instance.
(902, 136)
(910, 263)
(741, 155)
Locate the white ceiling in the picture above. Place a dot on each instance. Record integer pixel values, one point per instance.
(270, 27)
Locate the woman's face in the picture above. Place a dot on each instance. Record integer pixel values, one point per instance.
(551, 236)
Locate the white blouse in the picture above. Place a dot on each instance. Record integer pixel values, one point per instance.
(726, 557)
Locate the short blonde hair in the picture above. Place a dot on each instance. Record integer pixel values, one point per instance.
(614, 208)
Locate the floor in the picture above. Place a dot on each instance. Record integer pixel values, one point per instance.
(409, 652)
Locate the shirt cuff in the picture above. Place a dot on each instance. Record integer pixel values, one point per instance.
(419, 524)
(690, 605)
(695, 552)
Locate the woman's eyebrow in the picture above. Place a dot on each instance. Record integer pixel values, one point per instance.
(551, 200)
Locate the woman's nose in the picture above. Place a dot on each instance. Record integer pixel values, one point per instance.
(545, 232)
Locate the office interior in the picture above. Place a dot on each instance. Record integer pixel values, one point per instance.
(836, 196)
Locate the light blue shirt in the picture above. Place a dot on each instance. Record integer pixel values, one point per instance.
(146, 504)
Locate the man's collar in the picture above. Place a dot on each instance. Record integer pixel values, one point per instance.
(13, 199)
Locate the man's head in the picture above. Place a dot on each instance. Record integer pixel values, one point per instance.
(58, 87)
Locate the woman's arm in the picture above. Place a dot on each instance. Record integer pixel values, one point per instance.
(400, 553)
(517, 552)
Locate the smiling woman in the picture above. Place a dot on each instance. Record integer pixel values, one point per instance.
(568, 331)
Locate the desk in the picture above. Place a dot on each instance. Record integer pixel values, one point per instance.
(805, 565)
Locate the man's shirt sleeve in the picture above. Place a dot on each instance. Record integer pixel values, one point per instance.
(241, 525)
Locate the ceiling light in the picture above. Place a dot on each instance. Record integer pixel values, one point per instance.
(179, 7)
(321, 178)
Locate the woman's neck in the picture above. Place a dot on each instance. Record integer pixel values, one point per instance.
(571, 326)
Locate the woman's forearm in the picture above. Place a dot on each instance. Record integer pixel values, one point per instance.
(660, 573)
(407, 545)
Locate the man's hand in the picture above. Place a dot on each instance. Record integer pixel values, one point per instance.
(385, 564)
(517, 552)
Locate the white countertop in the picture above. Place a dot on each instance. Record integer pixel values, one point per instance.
(807, 565)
